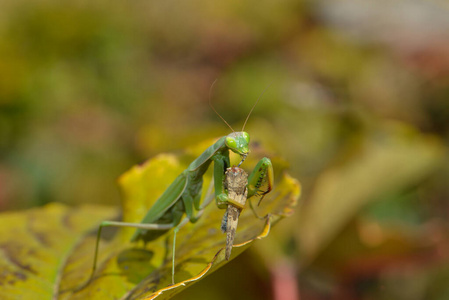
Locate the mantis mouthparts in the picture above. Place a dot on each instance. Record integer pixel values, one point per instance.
(243, 158)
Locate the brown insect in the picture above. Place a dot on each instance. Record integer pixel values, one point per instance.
(236, 181)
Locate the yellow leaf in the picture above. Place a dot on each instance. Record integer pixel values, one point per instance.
(36, 246)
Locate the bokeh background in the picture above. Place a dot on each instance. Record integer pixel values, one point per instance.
(357, 103)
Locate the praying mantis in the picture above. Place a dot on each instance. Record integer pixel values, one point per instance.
(183, 196)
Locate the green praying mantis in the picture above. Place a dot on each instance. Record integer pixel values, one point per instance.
(183, 196)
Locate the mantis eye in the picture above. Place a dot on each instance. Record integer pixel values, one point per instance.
(231, 142)
(246, 136)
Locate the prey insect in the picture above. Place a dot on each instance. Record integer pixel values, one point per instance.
(180, 202)
(236, 185)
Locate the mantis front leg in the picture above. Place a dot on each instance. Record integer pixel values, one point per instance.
(221, 163)
(263, 172)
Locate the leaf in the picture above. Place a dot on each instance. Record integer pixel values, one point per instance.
(35, 246)
(56, 260)
(128, 271)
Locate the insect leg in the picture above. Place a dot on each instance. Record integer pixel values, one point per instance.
(221, 195)
(120, 224)
(263, 172)
(175, 231)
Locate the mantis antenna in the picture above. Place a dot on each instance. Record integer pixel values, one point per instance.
(263, 92)
(210, 104)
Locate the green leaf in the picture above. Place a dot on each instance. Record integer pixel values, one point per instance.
(129, 270)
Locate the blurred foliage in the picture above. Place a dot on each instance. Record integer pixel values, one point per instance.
(356, 103)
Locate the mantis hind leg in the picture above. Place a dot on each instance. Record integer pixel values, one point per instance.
(120, 224)
(175, 231)
(261, 174)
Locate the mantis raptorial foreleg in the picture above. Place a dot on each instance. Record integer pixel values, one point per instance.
(262, 173)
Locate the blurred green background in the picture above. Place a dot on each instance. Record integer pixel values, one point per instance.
(357, 104)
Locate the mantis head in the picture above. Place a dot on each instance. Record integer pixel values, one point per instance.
(238, 142)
